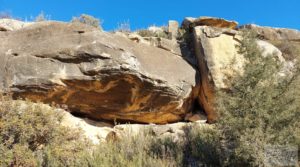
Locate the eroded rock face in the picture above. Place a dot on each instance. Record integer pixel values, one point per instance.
(215, 50)
(190, 22)
(96, 74)
(219, 60)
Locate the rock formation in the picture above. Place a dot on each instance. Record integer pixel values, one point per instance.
(96, 74)
(126, 77)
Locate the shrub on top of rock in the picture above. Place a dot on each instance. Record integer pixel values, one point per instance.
(153, 31)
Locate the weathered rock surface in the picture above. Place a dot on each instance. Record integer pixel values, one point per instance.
(11, 24)
(96, 74)
(274, 34)
(166, 44)
(190, 22)
(173, 28)
(219, 60)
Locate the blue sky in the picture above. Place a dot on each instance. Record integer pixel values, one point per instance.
(143, 13)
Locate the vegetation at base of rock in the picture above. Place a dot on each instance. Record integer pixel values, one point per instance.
(31, 135)
(88, 20)
(260, 109)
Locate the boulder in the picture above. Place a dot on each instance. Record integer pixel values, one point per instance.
(274, 34)
(187, 23)
(190, 22)
(12, 25)
(96, 74)
(173, 28)
(219, 60)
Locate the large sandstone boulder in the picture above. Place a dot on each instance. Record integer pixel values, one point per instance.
(191, 22)
(219, 60)
(96, 74)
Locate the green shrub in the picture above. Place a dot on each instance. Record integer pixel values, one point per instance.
(132, 150)
(88, 20)
(260, 109)
(204, 146)
(31, 135)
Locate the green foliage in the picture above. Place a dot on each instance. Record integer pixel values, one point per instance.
(88, 20)
(129, 151)
(31, 135)
(204, 146)
(261, 108)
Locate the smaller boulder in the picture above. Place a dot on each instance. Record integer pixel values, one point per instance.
(173, 29)
(190, 22)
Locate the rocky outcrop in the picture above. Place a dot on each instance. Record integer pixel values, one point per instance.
(11, 24)
(219, 61)
(96, 74)
(274, 34)
(191, 22)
